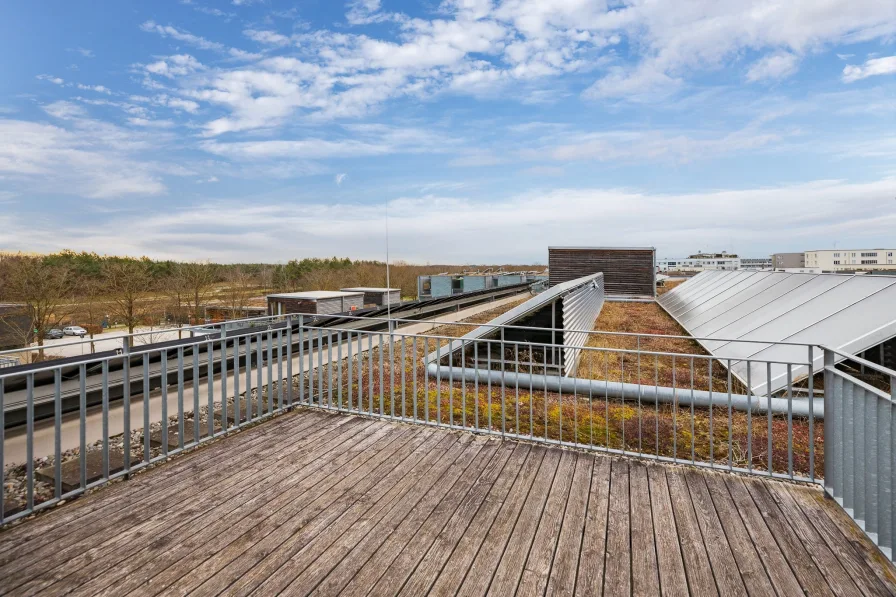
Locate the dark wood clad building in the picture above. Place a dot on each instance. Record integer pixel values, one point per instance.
(15, 326)
(378, 296)
(320, 302)
(628, 271)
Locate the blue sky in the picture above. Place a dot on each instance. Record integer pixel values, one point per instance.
(487, 130)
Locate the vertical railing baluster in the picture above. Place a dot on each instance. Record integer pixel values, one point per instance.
(656, 404)
(126, 404)
(197, 431)
(289, 392)
(82, 424)
(811, 413)
(403, 389)
(29, 442)
(279, 370)
(450, 385)
(302, 359)
(269, 390)
(238, 405)
(516, 357)
(391, 371)
(180, 397)
(57, 432)
(370, 383)
(768, 392)
(712, 452)
(674, 410)
(329, 367)
(693, 451)
(476, 385)
(210, 392)
(730, 421)
(147, 425)
(503, 364)
(640, 417)
(339, 367)
(382, 381)
(414, 370)
(105, 402)
(438, 382)
(749, 417)
(259, 366)
(349, 367)
(790, 420)
(223, 358)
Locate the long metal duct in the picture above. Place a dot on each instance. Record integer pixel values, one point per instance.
(627, 391)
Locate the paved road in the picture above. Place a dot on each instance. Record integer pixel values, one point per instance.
(14, 447)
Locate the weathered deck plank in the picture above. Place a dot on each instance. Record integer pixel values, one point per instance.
(325, 504)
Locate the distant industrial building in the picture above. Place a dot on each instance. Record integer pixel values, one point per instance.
(320, 302)
(378, 296)
(754, 264)
(442, 285)
(628, 271)
(701, 262)
(15, 326)
(834, 260)
(789, 260)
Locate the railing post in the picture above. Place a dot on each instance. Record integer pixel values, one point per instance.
(829, 420)
(126, 402)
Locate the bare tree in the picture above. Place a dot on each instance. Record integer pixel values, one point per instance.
(239, 287)
(194, 282)
(127, 282)
(42, 290)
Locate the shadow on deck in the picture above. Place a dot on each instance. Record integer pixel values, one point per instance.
(314, 502)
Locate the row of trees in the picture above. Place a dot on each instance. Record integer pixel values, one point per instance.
(86, 289)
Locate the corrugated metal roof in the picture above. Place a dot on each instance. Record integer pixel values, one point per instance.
(370, 289)
(723, 309)
(313, 295)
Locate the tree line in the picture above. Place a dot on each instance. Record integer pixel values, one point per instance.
(87, 289)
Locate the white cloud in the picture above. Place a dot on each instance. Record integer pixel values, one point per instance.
(51, 79)
(779, 65)
(97, 88)
(270, 38)
(871, 68)
(462, 228)
(87, 161)
(83, 52)
(339, 178)
(195, 40)
(177, 65)
(677, 40)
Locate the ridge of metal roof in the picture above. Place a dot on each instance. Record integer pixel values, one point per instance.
(314, 294)
(605, 248)
(518, 312)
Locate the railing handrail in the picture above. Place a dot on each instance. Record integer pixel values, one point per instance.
(859, 360)
(394, 320)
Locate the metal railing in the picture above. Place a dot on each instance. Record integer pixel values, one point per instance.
(636, 399)
(859, 451)
(659, 404)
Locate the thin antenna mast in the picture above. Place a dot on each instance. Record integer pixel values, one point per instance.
(388, 283)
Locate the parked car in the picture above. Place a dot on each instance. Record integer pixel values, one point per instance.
(54, 334)
(74, 330)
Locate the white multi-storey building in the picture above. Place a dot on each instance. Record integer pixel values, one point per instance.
(700, 262)
(832, 260)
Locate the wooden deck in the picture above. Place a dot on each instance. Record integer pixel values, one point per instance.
(313, 502)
